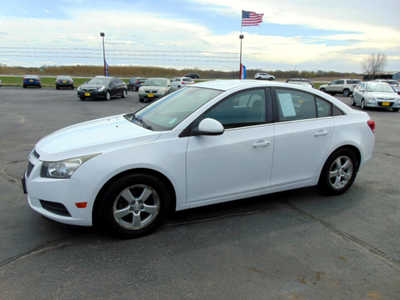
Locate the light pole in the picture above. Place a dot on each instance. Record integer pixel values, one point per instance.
(104, 54)
(241, 36)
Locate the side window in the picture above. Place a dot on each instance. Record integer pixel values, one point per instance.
(339, 81)
(295, 105)
(337, 111)
(241, 109)
(324, 108)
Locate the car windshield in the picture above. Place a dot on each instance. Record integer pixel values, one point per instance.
(300, 82)
(63, 78)
(99, 81)
(379, 87)
(169, 111)
(155, 82)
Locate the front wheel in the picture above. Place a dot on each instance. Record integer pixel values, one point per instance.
(363, 107)
(108, 96)
(395, 109)
(124, 94)
(339, 172)
(135, 205)
(346, 93)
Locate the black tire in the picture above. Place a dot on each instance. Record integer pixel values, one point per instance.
(141, 99)
(24, 86)
(324, 185)
(82, 98)
(57, 87)
(124, 94)
(40, 86)
(353, 103)
(107, 96)
(346, 93)
(72, 87)
(110, 196)
(362, 105)
(395, 109)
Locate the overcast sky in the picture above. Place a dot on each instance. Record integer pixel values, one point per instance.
(295, 34)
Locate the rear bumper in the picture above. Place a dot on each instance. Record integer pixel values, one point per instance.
(35, 83)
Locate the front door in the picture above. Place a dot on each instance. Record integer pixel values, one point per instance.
(237, 163)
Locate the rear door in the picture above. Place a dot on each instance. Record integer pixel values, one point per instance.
(303, 134)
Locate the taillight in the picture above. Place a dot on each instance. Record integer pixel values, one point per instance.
(371, 125)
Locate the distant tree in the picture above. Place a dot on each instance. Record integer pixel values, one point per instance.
(374, 64)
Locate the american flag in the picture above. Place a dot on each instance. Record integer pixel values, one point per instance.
(250, 18)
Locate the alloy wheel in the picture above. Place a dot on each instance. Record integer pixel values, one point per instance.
(340, 172)
(136, 207)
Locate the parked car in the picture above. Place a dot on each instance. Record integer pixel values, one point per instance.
(31, 80)
(264, 76)
(341, 86)
(64, 82)
(103, 88)
(178, 82)
(393, 83)
(135, 83)
(154, 88)
(300, 81)
(192, 75)
(192, 149)
(376, 94)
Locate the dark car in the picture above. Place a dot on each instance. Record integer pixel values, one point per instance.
(192, 75)
(31, 80)
(135, 83)
(64, 82)
(101, 87)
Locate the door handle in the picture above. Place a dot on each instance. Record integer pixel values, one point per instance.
(261, 143)
(322, 132)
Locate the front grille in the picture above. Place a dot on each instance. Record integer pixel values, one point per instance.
(29, 169)
(55, 208)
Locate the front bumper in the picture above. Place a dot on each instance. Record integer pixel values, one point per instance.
(65, 192)
(92, 94)
(382, 104)
(32, 83)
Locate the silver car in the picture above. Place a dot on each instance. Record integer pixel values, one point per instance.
(376, 94)
(154, 88)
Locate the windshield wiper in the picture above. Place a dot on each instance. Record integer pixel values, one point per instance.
(141, 122)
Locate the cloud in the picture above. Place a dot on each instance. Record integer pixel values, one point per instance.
(137, 37)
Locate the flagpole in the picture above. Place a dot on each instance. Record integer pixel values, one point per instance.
(241, 36)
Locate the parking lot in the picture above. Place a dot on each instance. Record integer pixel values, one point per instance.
(291, 245)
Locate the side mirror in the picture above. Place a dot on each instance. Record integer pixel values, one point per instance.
(209, 126)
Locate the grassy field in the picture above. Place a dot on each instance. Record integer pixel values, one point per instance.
(46, 81)
(51, 81)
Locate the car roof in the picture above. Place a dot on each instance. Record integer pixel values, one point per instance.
(226, 85)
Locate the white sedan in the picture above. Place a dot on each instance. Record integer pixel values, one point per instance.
(376, 94)
(208, 143)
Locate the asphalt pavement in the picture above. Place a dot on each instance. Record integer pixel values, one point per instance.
(291, 245)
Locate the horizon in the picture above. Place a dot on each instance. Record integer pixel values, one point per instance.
(200, 34)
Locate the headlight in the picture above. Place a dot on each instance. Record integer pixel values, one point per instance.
(63, 168)
(100, 89)
(371, 100)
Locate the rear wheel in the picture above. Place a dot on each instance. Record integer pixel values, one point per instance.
(323, 90)
(82, 98)
(346, 93)
(135, 205)
(395, 109)
(339, 172)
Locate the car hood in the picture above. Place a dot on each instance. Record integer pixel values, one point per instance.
(92, 137)
(153, 87)
(383, 95)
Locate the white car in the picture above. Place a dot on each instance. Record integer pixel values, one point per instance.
(178, 82)
(207, 143)
(376, 94)
(153, 88)
(264, 76)
(341, 86)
